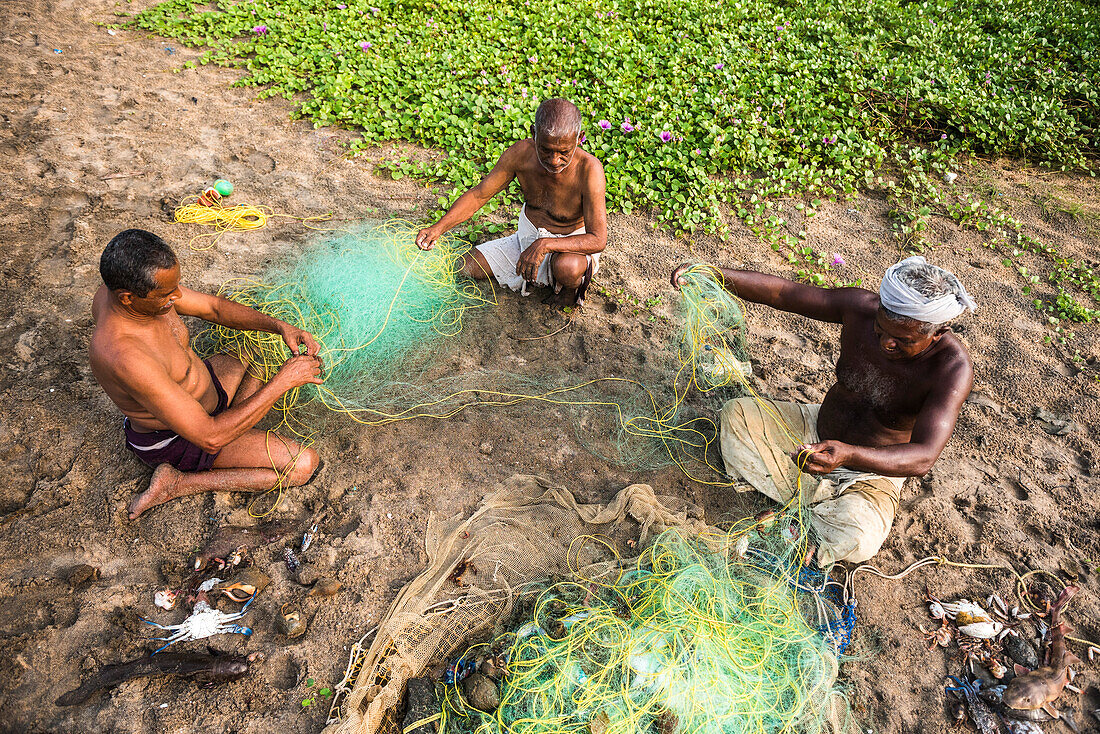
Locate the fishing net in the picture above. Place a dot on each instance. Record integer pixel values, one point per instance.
(382, 311)
(377, 304)
(707, 630)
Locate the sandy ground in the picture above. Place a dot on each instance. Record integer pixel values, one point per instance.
(78, 106)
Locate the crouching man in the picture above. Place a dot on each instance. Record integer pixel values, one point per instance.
(902, 377)
(563, 223)
(189, 418)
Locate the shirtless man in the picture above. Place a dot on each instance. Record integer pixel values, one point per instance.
(563, 223)
(902, 377)
(191, 419)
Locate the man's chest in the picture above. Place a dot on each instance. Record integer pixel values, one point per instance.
(561, 199)
(170, 342)
(890, 391)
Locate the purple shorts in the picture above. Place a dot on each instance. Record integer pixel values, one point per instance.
(168, 447)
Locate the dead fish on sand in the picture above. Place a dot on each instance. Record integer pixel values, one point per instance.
(209, 669)
(229, 538)
(1039, 688)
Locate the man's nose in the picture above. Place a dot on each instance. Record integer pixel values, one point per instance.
(888, 343)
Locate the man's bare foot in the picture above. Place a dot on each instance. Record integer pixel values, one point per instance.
(564, 298)
(164, 480)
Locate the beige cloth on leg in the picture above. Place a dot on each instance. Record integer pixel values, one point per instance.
(851, 511)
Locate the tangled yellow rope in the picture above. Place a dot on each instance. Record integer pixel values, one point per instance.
(235, 218)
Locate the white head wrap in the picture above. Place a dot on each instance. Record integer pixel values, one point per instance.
(903, 299)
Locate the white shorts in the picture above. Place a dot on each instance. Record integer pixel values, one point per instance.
(503, 255)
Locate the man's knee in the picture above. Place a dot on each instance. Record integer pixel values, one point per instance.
(304, 467)
(569, 269)
(474, 266)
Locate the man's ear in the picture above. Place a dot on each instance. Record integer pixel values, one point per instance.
(940, 332)
(533, 136)
(126, 298)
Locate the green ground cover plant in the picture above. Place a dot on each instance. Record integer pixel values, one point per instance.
(697, 109)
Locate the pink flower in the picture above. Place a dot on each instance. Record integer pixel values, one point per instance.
(341, 6)
(719, 65)
(838, 261)
(604, 125)
(666, 136)
(626, 127)
(259, 30)
(364, 45)
(532, 59)
(943, 137)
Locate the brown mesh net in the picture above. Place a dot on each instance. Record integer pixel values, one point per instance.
(525, 532)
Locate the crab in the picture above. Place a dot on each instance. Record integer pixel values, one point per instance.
(941, 635)
(204, 621)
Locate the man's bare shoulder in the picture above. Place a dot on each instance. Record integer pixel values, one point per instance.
(119, 353)
(858, 302)
(953, 358)
(519, 155)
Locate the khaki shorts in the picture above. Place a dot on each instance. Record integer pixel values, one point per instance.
(850, 511)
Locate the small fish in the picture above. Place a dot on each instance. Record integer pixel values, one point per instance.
(1020, 650)
(1042, 686)
(981, 714)
(292, 563)
(230, 538)
(210, 669)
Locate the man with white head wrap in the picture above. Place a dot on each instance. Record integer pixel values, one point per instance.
(902, 378)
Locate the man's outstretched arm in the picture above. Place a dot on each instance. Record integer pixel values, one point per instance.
(933, 428)
(467, 205)
(222, 311)
(822, 304)
(147, 382)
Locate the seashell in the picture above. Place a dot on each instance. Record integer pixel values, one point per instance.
(481, 692)
(82, 575)
(245, 584)
(325, 587)
(291, 621)
(166, 598)
(209, 584)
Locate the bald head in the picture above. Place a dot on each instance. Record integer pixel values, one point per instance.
(557, 118)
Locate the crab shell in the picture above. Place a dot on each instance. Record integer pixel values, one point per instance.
(963, 606)
(982, 630)
(165, 598)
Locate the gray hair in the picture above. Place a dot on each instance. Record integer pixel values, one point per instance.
(931, 282)
(558, 118)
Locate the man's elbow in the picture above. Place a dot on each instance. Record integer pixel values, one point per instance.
(214, 440)
(212, 445)
(922, 465)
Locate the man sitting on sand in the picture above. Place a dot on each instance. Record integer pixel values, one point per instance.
(902, 377)
(191, 419)
(563, 223)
